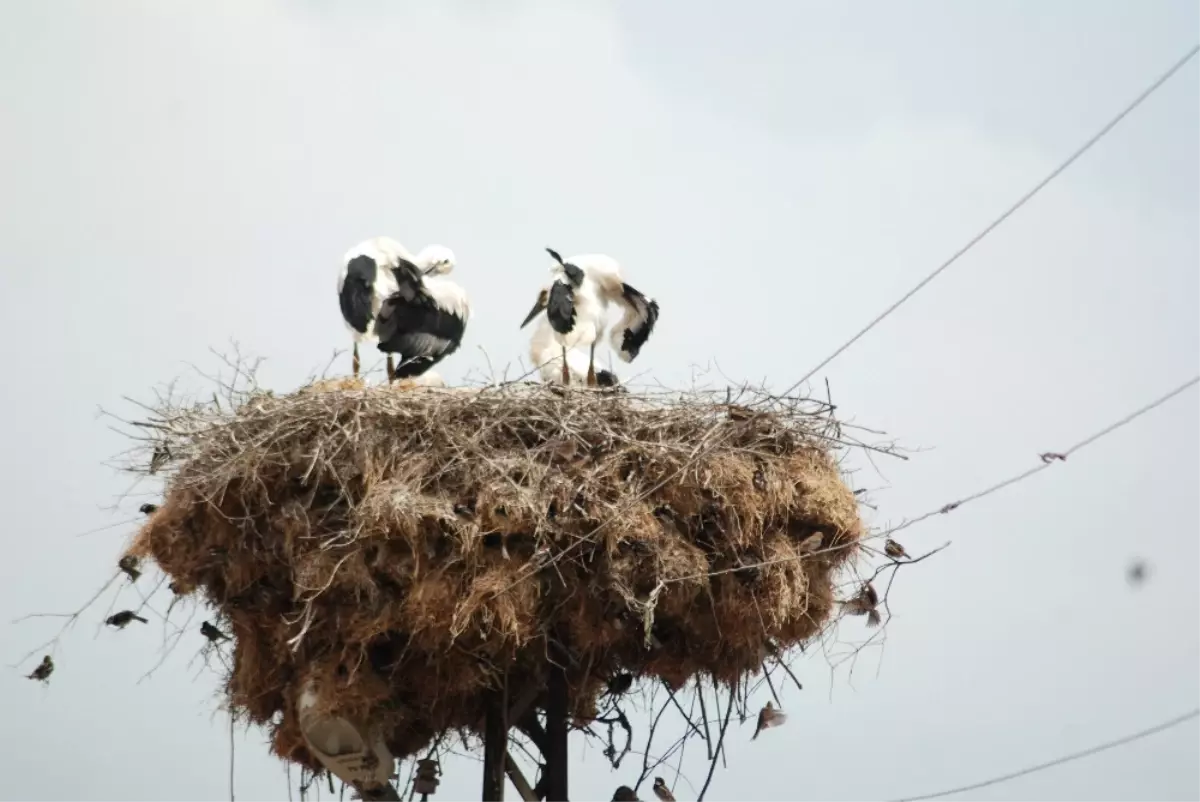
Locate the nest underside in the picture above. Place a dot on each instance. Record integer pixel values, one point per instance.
(407, 551)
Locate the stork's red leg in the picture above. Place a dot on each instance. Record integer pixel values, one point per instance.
(566, 373)
(356, 359)
(591, 375)
(391, 369)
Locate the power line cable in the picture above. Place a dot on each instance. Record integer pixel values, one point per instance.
(1050, 457)
(1128, 739)
(1008, 213)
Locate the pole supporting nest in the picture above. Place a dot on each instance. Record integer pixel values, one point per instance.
(495, 744)
(557, 704)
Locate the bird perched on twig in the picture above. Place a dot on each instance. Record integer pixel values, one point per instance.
(620, 683)
(212, 633)
(625, 794)
(160, 457)
(811, 543)
(148, 509)
(43, 671)
(123, 619)
(129, 565)
(894, 550)
(662, 791)
(865, 603)
(769, 716)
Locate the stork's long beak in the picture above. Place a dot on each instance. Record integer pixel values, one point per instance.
(537, 308)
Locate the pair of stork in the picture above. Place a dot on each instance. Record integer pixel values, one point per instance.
(408, 307)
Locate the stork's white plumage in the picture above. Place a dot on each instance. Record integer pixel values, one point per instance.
(368, 278)
(546, 354)
(576, 305)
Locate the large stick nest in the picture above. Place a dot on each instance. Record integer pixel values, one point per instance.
(405, 549)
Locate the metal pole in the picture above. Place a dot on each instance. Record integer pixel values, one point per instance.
(557, 705)
(495, 745)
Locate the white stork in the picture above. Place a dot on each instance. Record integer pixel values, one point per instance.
(424, 318)
(368, 278)
(576, 304)
(547, 357)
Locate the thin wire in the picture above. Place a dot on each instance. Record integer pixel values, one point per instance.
(995, 223)
(1049, 458)
(1128, 739)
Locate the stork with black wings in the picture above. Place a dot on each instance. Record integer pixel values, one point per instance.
(576, 306)
(424, 319)
(367, 279)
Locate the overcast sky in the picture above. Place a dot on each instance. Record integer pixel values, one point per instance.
(174, 175)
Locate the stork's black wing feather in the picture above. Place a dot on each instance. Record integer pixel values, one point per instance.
(355, 297)
(560, 307)
(410, 295)
(647, 315)
(413, 326)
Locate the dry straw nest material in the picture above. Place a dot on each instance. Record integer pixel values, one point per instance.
(407, 548)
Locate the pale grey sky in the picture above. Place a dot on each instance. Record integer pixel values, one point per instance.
(173, 175)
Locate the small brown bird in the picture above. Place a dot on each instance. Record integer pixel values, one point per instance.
(811, 543)
(148, 509)
(1051, 456)
(620, 683)
(123, 619)
(865, 603)
(769, 716)
(159, 458)
(625, 794)
(662, 791)
(43, 671)
(212, 633)
(894, 550)
(760, 481)
(129, 564)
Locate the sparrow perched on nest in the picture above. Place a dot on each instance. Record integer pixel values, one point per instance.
(620, 683)
(159, 458)
(865, 603)
(123, 619)
(148, 509)
(662, 791)
(212, 633)
(43, 671)
(811, 543)
(129, 564)
(625, 794)
(894, 550)
(769, 716)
